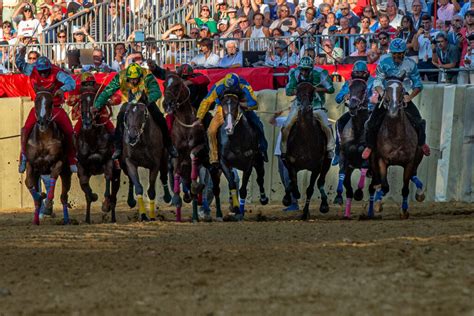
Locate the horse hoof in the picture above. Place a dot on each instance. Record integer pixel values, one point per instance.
(297, 195)
(36, 221)
(338, 200)
(152, 219)
(187, 197)
(358, 195)
(144, 218)
(94, 197)
(324, 207)
(264, 201)
(87, 221)
(196, 188)
(106, 206)
(176, 200)
(305, 216)
(286, 200)
(346, 218)
(378, 207)
(404, 214)
(132, 202)
(420, 197)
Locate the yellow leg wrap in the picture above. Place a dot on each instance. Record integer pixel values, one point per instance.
(235, 201)
(152, 210)
(216, 122)
(141, 204)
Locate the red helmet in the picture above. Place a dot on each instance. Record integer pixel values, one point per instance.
(185, 70)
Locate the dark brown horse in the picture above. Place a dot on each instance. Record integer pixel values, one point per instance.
(94, 147)
(306, 150)
(45, 153)
(189, 141)
(238, 148)
(143, 147)
(397, 145)
(352, 138)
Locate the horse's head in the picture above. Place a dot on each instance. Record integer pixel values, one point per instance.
(176, 93)
(231, 112)
(43, 108)
(358, 96)
(87, 104)
(136, 116)
(393, 99)
(304, 96)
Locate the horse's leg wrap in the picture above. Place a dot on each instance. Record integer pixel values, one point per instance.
(370, 212)
(65, 214)
(177, 183)
(141, 205)
(417, 182)
(52, 185)
(347, 212)
(194, 167)
(235, 200)
(363, 174)
(379, 194)
(216, 122)
(242, 205)
(152, 209)
(35, 194)
(340, 183)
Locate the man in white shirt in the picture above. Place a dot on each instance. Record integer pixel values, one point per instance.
(206, 59)
(422, 44)
(280, 56)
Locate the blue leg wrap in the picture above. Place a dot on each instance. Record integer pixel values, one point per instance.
(370, 213)
(242, 206)
(417, 182)
(36, 196)
(405, 204)
(65, 214)
(378, 195)
(340, 184)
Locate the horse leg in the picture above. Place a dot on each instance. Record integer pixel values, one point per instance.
(115, 188)
(66, 186)
(55, 171)
(133, 175)
(309, 194)
(164, 180)
(196, 187)
(176, 200)
(381, 186)
(243, 190)
(260, 169)
(152, 192)
(420, 190)
(324, 207)
(407, 173)
(293, 186)
(340, 185)
(229, 174)
(370, 212)
(216, 191)
(131, 197)
(349, 193)
(31, 182)
(90, 196)
(359, 193)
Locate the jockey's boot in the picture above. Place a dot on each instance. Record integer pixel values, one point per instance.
(426, 150)
(366, 153)
(335, 160)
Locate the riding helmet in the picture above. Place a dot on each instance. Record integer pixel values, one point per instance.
(360, 70)
(134, 71)
(43, 64)
(398, 45)
(306, 62)
(185, 70)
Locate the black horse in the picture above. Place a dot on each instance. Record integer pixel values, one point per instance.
(397, 145)
(306, 150)
(352, 137)
(94, 147)
(238, 148)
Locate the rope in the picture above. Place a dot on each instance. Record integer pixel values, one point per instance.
(182, 123)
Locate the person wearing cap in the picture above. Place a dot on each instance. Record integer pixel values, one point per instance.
(359, 72)
(221, 8)
(28, 25)
(45, 75)
(204, 32)
(223, 26)
(231, 84)
(133, 82)
(280, 56)
(203, 19)
(360, 44)
(320, 79)
(396, 65)
(206, 59)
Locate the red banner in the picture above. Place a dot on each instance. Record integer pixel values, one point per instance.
(18, 85)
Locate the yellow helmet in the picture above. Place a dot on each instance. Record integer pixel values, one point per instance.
(134, 71)
(87, 77)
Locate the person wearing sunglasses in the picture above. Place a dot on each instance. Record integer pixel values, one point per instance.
(203, 19)
(396, 65)
(28, 26)
(446, 56)
(178, 30)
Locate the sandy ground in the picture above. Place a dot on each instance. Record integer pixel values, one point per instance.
(268, 264)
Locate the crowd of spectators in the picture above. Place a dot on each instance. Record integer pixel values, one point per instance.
(218, 34)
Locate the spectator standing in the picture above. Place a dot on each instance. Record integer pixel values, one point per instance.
(279, 3)
(346, 13)
(115, 27)
(384, 26)
(28, 26)
(468, 76)
(469, 23)
(245, 10)
(206, 59)
(80, 35)
(378, 48)
(177, 29)
(446, 10)
(457, 36)
(280, 56)
(8, 9)
(232, 57)
(445, 56)
(7, 33)
(393, 15)
(244, 24)
(232, 16)
(407, 32)
(203, 19)
(60, 50)
(301, 8)
(283, 13)
(221, 8)
(422, 44)
(344, 40)
(263, 8)
(118, 63)
(406, 6)
(468, 6)
(361, 47)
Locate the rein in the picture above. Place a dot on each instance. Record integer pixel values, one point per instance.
(51, 117)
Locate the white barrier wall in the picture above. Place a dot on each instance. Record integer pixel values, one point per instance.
(447, 173)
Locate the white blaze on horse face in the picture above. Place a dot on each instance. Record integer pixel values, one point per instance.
(394, 91)
(43, 107)
(170, 81)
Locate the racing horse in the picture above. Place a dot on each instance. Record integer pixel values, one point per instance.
(397, 145)
(352, 138)
(45, 153)
(238, 148)
(94, 147)
(306, 150)
(189, 141)
(143, 147)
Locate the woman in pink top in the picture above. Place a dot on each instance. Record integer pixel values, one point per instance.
(446, 10)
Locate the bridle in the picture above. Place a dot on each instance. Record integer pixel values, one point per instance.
(360, 102)
(51, 117)
(229, 110)
(175, 96)
(142, 127)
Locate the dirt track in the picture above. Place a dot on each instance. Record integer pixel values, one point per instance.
(279, 266)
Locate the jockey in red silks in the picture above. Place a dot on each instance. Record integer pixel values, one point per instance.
(45, 75)
(88, 83)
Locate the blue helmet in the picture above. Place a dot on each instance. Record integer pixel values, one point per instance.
(43, 64)
(398, 46)
(231, 81)
(360, 65)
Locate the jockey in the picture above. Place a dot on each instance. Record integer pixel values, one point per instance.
(359, 72)
(231, 84)
(45, 75)
(196, 82)
(397, 65)
(132, 82)
(88, 83)
(306, 72)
